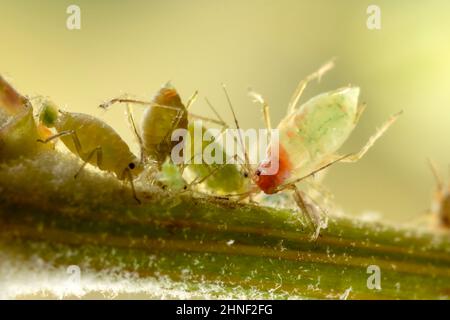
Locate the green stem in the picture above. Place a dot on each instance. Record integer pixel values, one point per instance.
(93, 222)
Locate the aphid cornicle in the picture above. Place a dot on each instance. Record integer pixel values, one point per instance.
(93, 141)
(309, 137)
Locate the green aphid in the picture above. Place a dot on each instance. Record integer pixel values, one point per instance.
(171, 177)
(93, 141)
(222, 179)
(164, 114)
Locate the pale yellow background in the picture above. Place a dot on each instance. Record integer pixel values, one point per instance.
(135, 46)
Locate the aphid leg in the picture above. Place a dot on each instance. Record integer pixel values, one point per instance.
(316, 220)
(266, 113)
(290, 183)
(207, 119)
(191, 100)
(319, 189)
(356, 156)
(97, 151)
(224, 124)
(199, 180)
(175, 122)
(72, 133)
(129, 175)
(220, 121)
(303, 83)
(359, 112)
(132, 123)
(246, 163)
(302, 205)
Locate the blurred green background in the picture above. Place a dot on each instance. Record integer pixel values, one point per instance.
(135, 46)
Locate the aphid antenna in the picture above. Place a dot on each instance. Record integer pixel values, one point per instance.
(108, 103)
(223, 123)
(241, 139)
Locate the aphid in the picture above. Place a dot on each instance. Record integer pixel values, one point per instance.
(441, 202)
(309, 137)
(18, 129)
(163, 114)
(171, 177)
(222, 179)
(93, 141)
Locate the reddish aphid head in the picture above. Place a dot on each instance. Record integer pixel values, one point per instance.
(268, 182)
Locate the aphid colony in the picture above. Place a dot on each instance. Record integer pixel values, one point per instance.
(308, 138)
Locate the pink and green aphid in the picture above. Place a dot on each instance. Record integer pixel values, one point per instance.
(309, 137)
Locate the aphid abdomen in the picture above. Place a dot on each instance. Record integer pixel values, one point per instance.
(158, 123)
(319, 127)
(93, 133)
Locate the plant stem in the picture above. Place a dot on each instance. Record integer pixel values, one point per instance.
(93, 223)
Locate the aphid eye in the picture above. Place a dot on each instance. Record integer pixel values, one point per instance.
(245, 175)
(258, 172)
(131, 165)
(185, 187)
